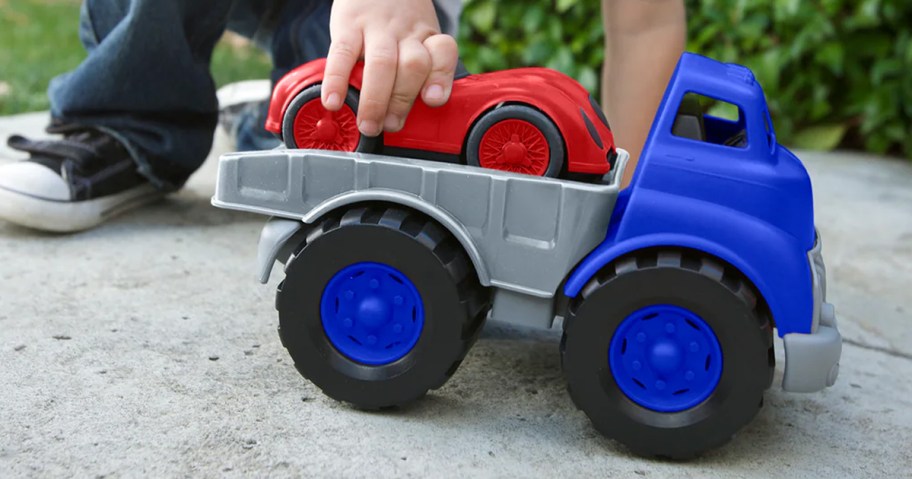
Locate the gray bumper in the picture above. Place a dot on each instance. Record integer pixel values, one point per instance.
(812, 360)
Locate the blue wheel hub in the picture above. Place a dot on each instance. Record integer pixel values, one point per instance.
(372, 313)
(665, 358)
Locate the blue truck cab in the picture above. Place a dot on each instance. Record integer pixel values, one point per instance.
(668, 291)
(726, 188)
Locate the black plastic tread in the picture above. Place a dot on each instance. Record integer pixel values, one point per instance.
(473, 299)
(707, 267)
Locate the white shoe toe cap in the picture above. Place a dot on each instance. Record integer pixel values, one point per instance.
(34, 180)
(243, 92)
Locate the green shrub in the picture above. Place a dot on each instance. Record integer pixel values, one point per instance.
(835, 72)
(565, 35)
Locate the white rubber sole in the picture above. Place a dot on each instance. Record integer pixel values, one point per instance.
(247, 91)
(71, 216)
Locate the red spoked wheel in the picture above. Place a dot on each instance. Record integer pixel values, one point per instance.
(516, 146)
(518, 139)
(307, 125)
(317, 128)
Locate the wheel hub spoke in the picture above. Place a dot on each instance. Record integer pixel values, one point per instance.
(317, 128)
(514, 145)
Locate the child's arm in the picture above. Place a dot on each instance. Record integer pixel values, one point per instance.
(404, 54)
(643, 41)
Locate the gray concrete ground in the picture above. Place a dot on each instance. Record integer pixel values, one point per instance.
(146, 348)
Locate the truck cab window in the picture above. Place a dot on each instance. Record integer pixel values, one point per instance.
(706, 119)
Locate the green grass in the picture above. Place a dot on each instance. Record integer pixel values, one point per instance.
(39, 40)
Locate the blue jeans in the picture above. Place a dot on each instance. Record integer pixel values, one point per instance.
(146, 79)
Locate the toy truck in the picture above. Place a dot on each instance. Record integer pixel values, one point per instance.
(668, 291)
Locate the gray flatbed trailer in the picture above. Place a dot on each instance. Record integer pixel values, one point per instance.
(523, 234)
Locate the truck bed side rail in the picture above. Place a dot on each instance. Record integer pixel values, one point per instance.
(523, 233)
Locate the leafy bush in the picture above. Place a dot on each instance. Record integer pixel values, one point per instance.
(565, 35)
(835, 72)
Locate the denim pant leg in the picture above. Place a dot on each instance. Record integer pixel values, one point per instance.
(146, 80)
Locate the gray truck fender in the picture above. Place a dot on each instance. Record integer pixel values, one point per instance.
(272, 239)
(279, 230)
(414, 202)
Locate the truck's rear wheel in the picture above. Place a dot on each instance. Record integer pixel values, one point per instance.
(668, 352)
(379, 305)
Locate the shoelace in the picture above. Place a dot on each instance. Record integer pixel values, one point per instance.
(76, 146)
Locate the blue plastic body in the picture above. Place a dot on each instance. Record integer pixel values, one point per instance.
(749, 206)
(372, 313)
(665, 358)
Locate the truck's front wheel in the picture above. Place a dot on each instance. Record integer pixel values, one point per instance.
(379, 305)
(668, 352)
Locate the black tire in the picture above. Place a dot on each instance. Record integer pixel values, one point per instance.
(518, 112)
(717, 294)
(365, 144)
(455, 304)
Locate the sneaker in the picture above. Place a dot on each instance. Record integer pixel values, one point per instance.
(236, 98)
(242, 114)
(71, 184)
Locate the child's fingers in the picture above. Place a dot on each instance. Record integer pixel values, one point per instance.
(380, 58)
(344, 52)
(411, 74)
(444, 56)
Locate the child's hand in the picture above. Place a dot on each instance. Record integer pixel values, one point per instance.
(404, 54)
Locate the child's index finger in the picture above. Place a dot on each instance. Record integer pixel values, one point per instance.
(344, 51)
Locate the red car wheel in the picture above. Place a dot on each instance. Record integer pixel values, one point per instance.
(517, 139)
(307, 125)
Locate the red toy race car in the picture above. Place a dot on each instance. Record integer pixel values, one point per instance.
(535, 121)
